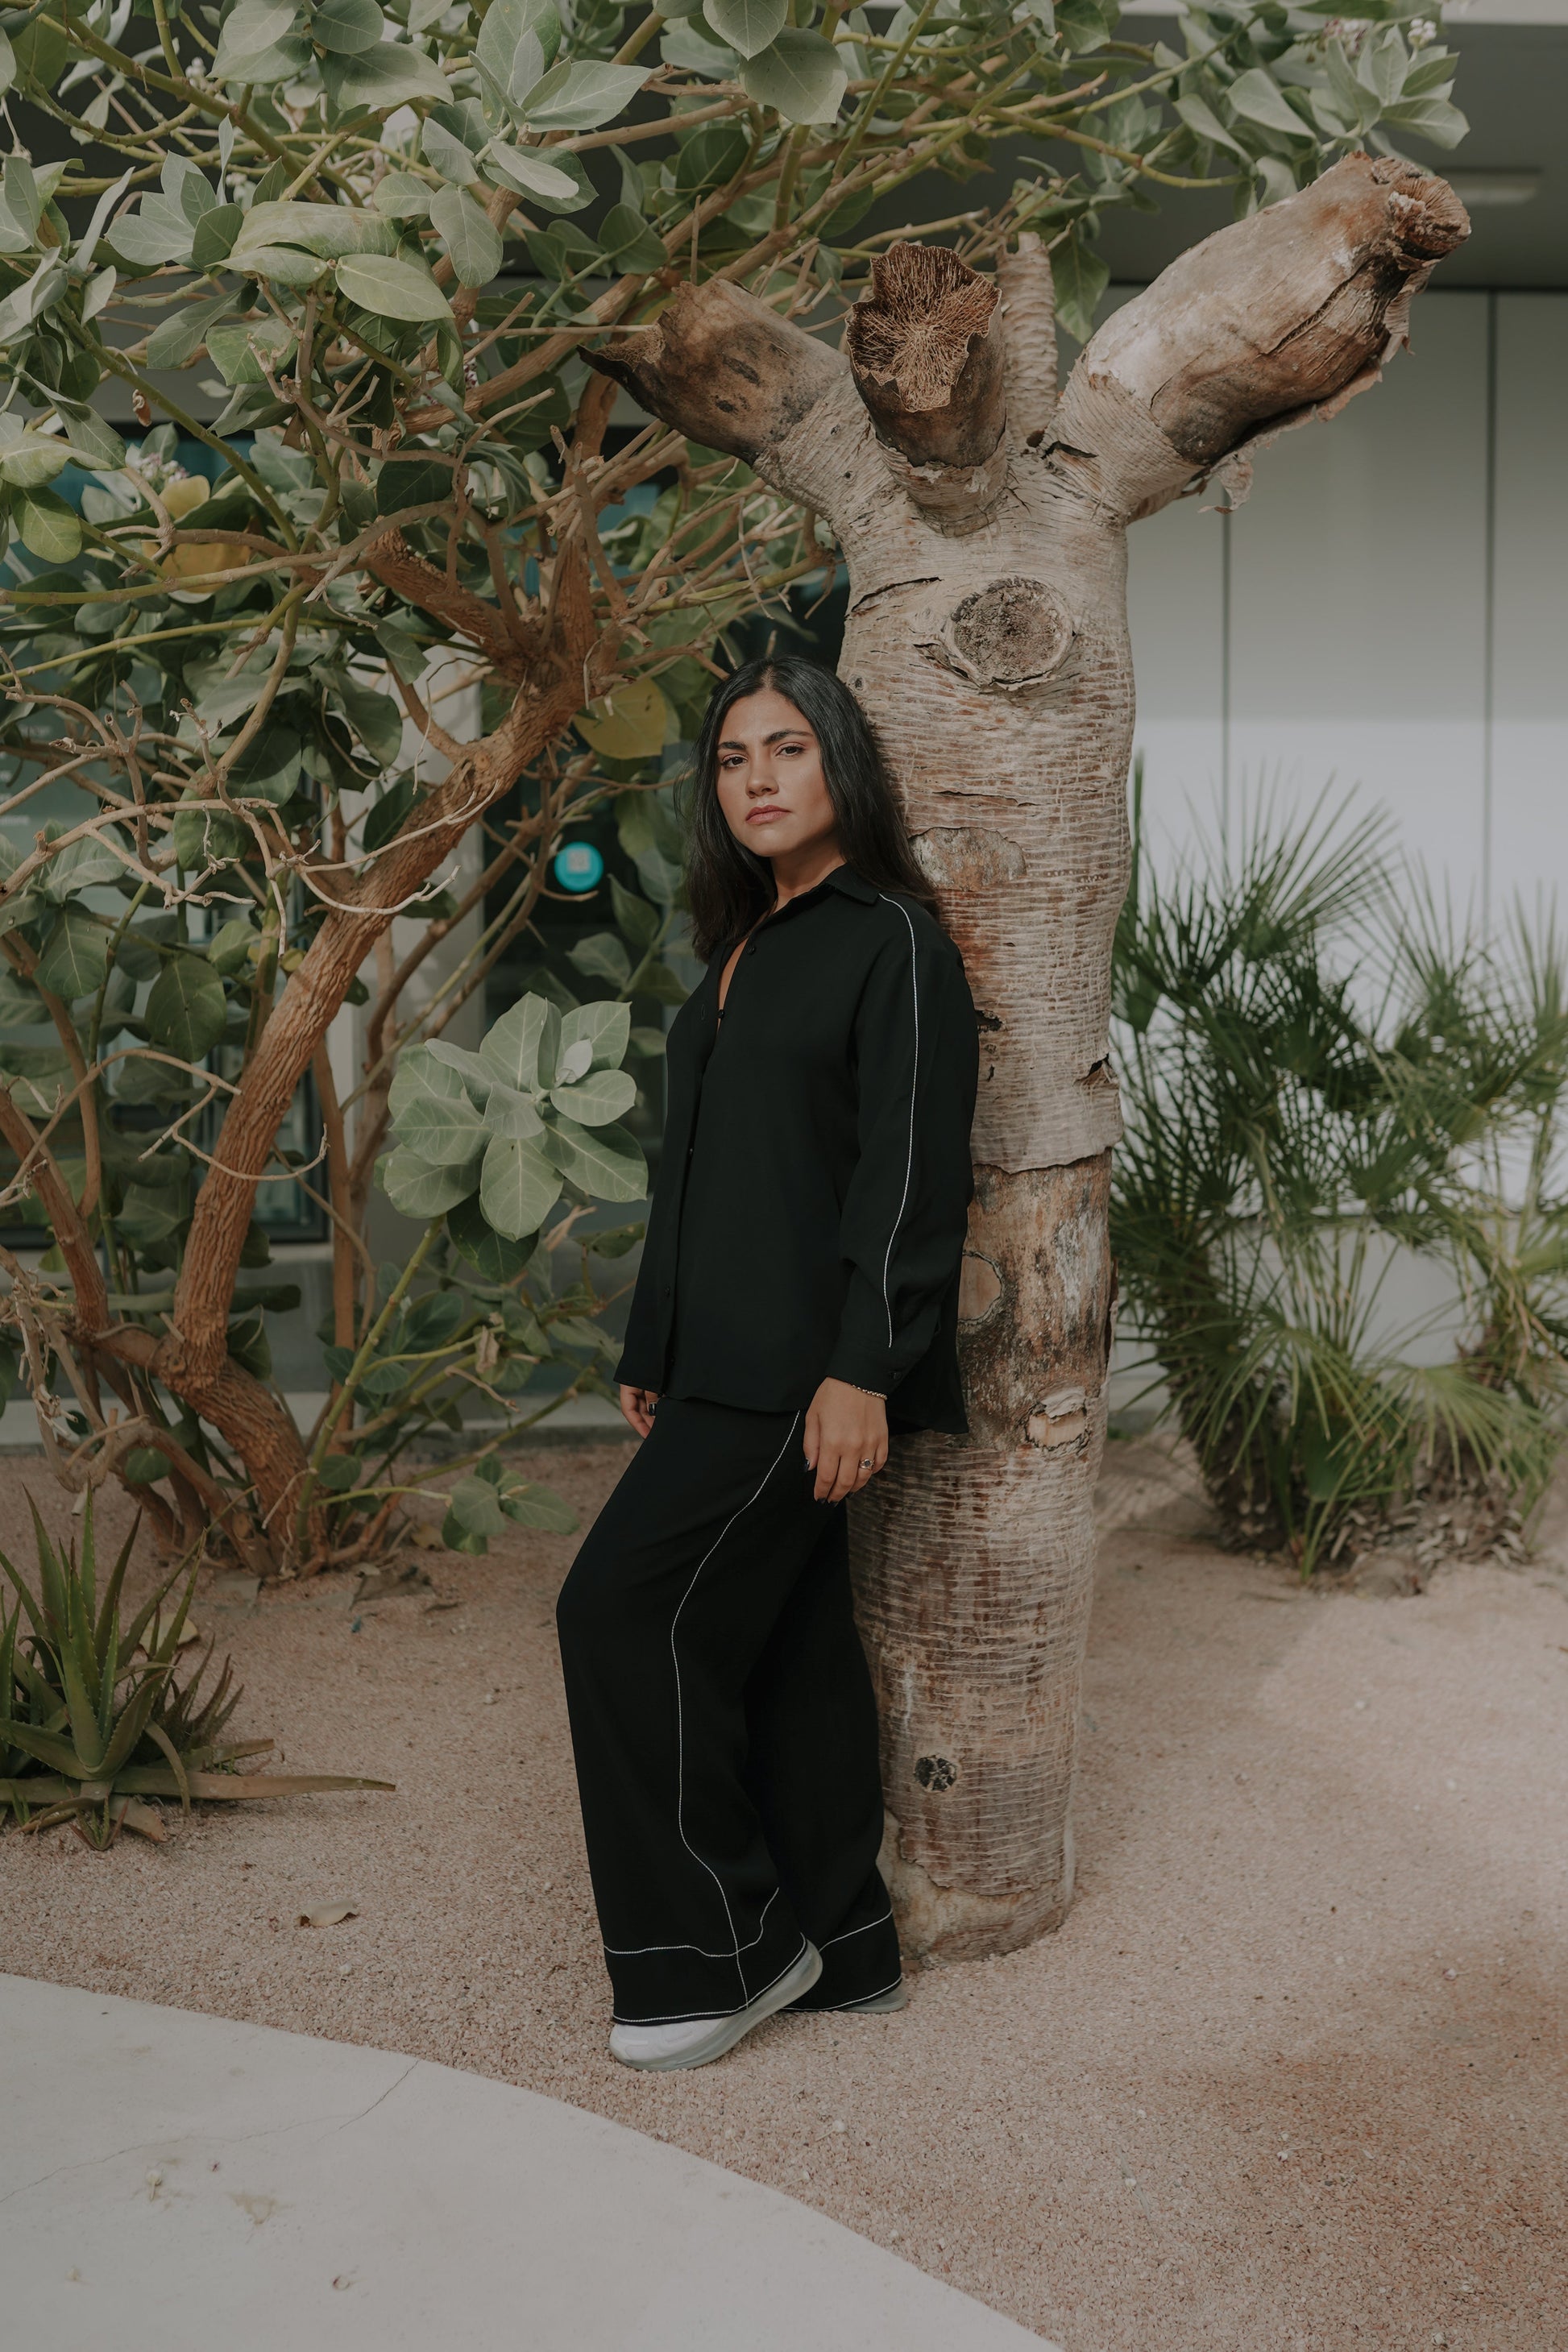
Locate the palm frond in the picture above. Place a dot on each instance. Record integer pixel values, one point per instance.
(1324, 1063)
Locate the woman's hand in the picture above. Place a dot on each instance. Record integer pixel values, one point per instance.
(846, 1440)
(637, 1406)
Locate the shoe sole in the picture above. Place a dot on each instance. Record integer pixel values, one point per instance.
(881, 2004)
(727, 2030)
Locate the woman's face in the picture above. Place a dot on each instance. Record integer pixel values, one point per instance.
(771, 789)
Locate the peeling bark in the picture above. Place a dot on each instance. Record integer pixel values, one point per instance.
(1029, 321)
(994, 659)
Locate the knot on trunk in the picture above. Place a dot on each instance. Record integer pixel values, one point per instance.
(1011, 633)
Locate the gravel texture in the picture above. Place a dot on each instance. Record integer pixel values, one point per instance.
(1290, 2076)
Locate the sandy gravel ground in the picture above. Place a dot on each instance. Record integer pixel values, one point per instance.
(1291, 2076)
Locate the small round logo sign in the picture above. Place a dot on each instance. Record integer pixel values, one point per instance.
(578, 866)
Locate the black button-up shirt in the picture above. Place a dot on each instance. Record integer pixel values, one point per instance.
(809, 1216)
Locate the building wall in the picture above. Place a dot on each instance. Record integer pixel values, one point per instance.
(1388, 610)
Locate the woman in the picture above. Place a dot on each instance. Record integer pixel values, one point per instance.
(798, 1291)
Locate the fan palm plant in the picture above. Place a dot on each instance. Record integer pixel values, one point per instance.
(1322, 1067)
(96, 1716)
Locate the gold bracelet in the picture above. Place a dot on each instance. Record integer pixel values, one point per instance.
(881, 1395)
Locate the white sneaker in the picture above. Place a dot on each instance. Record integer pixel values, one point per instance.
(697, 2040)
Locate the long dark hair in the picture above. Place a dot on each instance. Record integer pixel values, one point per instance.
(728, 886)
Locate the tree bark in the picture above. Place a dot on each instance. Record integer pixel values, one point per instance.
(987, 640)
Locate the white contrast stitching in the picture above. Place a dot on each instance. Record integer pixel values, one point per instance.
(633, 1951)
(842, 2007)
(680, 1715)
(914, 1080)
(696, 2016)
(856, 1931)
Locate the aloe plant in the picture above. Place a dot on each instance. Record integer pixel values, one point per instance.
(95, 1717)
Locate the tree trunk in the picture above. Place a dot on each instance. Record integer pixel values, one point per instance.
(983, 527)
(554, 672)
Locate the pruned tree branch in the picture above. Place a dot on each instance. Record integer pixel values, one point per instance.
(925, 347)
(1271, 320)
(724, 368)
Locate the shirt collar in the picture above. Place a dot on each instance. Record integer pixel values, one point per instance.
(844, 880)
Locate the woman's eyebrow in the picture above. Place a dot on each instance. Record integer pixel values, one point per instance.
(779, 735)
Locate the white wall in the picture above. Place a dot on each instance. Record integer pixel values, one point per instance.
(1391, 609)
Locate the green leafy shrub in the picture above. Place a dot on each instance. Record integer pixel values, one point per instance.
(1321, 1071)
(487, 1147)
(96, 1716)
(343, 265)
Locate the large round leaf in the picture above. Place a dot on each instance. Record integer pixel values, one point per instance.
(507, 1112)
(179, 339)
(627, 241)
(518, 38)
(186, 1009)
(28, 460)
(375, 717)
(491, 1253)
(628, 724)
(420, 1190)
(267, 768)
(330, 230)
(284, 265)
(75, 956)
(446, 1134)
(519, 1051)
(229, 346)
(580, 97)
(537, 1506)
(522, 167)
(386, 76)
(518, 1188)
(605, 1029)
(800, 77)
(471, 237)
(419, 1076)
(250, 31)
(346, 26)
(749, 25)
(605, 1161)
(597, 1097)
(476, 1507)
(392, 288)
(46, 527)
(447, 154)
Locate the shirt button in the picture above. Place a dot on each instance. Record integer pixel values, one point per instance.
(751, 949)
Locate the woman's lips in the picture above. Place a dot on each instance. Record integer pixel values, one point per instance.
(765, 815)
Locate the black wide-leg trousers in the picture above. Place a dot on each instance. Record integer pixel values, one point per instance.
(724, 1726)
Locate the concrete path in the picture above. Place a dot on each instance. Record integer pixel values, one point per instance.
(178, 2181)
